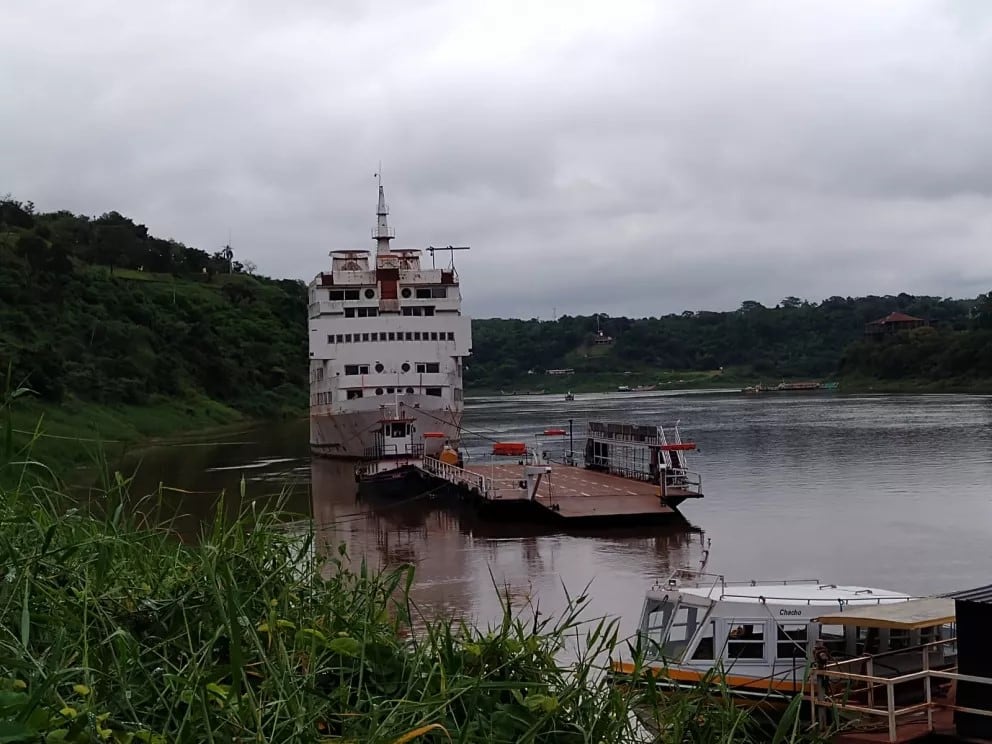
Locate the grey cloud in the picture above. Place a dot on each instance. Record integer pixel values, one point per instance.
(635, 158)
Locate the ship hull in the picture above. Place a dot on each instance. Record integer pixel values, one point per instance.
(351, 434)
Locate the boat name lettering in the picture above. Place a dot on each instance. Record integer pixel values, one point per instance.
(790, 612)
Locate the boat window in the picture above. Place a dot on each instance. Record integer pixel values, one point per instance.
(347, 338)
(704, 649)
(409, 335)
(378, 367)
(435, 391)
(392, 336)
(340, 338)
(379, 391)
(685, 622)
(375, 336)
(428, 367)
(792, 641)
(746, 639)
(352, 394)
(424, 294)
(398, 431)
(409, 391)
(416, 335)
(365, 337)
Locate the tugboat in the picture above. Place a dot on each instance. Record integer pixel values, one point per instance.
(569, 397)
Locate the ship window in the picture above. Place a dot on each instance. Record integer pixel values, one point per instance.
(375, 336)
(390, 391)
(428, 367)
(746, 639)
(379, 391)
(349, 312)
(335, 294)
(347, 338)
(436, 392)
(433, 335)
(439, 292)
(379, 368)
(416, 335)
(405, 367)
(369, 294)
(791, 642)
(330, 338)
(409, 391)
(424, 294)
(409, 336)
(451, 335)
(458, 394)
(356, 369)
(365, 337)
(367, 312)
(429, 310)
(392, 336)
(398, 430)
(339, 339)
(352, 394)
(704, 649)
(406, 292)
(408, 311)
(351, 294)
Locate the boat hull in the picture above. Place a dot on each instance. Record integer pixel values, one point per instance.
(351, 434)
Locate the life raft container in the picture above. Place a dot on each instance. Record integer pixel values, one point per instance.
(509, 448)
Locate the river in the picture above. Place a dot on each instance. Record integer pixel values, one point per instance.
(888, 491)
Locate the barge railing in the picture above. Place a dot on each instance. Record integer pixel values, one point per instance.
(459, 476)
(870, 704)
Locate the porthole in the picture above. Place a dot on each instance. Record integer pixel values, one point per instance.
(405, 367)
(378, 391)
(379, 368)
(407, 293)
(369, 294)
(409, 391)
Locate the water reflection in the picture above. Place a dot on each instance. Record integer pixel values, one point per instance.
(890, 491)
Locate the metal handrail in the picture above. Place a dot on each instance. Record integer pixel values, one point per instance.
(459, 476)
(820, 699)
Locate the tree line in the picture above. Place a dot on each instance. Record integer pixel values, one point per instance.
(100, 309)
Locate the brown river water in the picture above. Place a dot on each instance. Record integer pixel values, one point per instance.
(887, 491)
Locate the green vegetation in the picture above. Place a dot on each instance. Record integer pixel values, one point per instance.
(794, 340)
(98, 310)
(125, 336)
(112, 630)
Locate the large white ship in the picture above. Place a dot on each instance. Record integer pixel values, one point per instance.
(387, 339)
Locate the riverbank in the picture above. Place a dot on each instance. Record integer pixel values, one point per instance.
(911, 386)
(259, 632)
(80, 434)
(609, 382)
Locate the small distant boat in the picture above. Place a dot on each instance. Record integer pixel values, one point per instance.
(569, 396)
(637, 389)
(623, 389)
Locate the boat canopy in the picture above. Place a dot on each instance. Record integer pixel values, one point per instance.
(912, 615)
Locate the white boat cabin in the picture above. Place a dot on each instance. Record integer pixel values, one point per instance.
(762, 635)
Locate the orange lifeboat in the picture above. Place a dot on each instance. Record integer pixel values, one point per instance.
(433, 435)
(509, 448)
(554, 432)
(681, 447)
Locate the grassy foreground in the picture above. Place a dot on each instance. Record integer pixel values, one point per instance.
(113, 630)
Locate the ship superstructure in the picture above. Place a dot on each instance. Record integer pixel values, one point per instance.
(386, 334)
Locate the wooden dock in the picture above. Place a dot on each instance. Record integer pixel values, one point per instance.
(564, 494)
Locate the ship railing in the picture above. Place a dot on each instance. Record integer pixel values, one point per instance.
(459, 476)
(855, 698)
(683, 479)
(380, 451)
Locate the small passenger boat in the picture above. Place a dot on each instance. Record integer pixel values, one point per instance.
(762, 636)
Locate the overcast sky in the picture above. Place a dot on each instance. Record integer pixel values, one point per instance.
(635, 158)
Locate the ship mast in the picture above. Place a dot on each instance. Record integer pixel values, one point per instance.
(382, 233)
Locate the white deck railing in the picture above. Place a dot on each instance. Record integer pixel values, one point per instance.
(459, 476)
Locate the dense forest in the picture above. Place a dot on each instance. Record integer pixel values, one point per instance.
(98, 309)
(794, 339)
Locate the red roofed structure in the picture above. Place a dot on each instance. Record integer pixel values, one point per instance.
(891, 324)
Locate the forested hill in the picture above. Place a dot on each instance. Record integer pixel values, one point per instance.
(794, 339)
(99, 310)
(103, 311)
